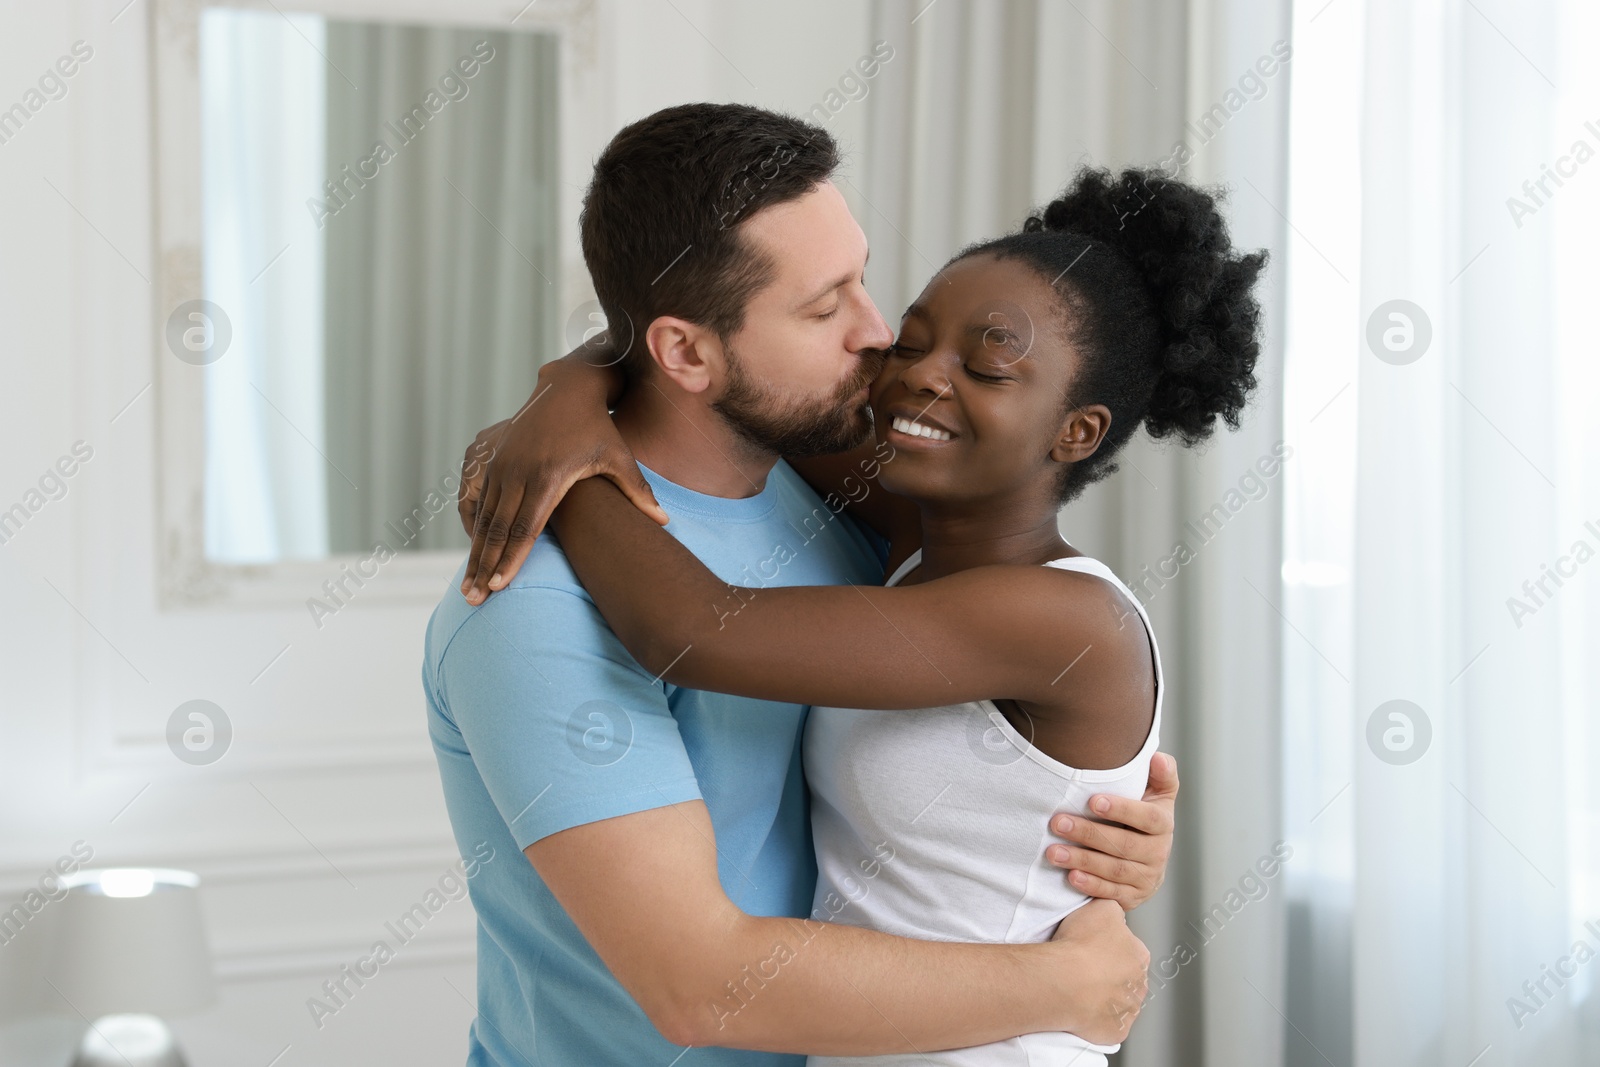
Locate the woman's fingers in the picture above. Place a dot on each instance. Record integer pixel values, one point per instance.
(483, 507)
(541, 498)
(624, 472)
(544, 493)
(474, 472)
(489, 537)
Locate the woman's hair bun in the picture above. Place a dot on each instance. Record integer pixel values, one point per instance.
(1177, 239)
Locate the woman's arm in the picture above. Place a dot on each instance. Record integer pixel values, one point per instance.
(516, 471)
(995, 631)
(852, 477)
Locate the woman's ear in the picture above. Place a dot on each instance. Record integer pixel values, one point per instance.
(1081, 433)
(688, 355)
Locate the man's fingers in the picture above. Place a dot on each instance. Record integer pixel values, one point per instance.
(1094, 886)
(1146, 816)
(1115, 841)
(1163, 781)
(1130, 873)
(636, 489)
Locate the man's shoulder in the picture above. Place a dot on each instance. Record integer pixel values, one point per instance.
(545, 582)
(808, 511)
(794, 488)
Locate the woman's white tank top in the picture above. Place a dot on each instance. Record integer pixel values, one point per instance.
(933, 824)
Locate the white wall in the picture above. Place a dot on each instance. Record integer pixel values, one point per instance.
(336, 823)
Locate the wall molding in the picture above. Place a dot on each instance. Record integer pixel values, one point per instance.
(235, 865)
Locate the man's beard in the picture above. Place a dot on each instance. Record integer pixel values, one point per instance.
(796, 428)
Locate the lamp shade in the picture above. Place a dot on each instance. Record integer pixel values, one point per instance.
(132, 940)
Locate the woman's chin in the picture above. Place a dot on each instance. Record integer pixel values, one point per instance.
(897, 477)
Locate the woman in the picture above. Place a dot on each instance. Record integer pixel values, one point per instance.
(1018, 374)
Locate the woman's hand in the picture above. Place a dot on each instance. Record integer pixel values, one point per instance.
(1123, 858)
(516, 471)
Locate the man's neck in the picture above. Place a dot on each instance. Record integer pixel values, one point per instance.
(684, 441)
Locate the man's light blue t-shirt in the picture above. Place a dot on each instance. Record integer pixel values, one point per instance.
(542, 721)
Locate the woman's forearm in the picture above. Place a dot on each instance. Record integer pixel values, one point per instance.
(657, 597)
(579, 368)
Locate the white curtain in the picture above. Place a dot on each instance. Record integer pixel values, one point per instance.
(1460, 850)
(441, 270)
(263, 104)
(370, 339)
(995, 106)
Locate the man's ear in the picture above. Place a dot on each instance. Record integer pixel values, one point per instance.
(687, 354)
(1081, 433)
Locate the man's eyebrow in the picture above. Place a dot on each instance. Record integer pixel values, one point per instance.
(836, 283)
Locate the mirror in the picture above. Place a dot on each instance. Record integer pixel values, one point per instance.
(379, 258)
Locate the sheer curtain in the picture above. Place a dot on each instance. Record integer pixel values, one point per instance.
(441, 269)
(1441, 683)
(382, 302)
(263, 106)
(987, 110)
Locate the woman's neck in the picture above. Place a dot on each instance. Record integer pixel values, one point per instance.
(958, 541)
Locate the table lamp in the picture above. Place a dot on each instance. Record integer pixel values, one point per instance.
(130, 947)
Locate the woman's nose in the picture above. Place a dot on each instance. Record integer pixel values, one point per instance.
(926, 373)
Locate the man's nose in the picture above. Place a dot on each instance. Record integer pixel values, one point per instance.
(875, 332)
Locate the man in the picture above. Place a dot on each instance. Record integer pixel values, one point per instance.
(670, 862)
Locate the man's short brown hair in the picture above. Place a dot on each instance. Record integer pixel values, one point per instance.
(660, 218)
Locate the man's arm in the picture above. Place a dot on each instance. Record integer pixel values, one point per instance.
(626, 847)
(644, 891)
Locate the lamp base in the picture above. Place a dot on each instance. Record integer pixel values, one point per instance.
(128, 1041)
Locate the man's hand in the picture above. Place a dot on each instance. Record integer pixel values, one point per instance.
(1112, 971)
(1123, 858)
(516, 471)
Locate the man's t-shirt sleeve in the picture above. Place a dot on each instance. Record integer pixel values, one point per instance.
(563, 725)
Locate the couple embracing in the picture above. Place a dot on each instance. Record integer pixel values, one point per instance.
(855, 759)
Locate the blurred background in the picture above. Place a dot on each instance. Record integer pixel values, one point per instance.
(266, 268)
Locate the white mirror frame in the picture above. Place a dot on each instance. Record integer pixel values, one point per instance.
(187, 578)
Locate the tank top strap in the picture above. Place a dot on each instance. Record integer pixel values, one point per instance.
(1090, 565)
(905, 568)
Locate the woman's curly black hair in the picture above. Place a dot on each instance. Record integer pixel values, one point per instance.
(1160, 306)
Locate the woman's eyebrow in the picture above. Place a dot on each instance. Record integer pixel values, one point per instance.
(1004, 335)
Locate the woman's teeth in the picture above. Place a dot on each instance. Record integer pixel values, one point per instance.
(916, 429)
